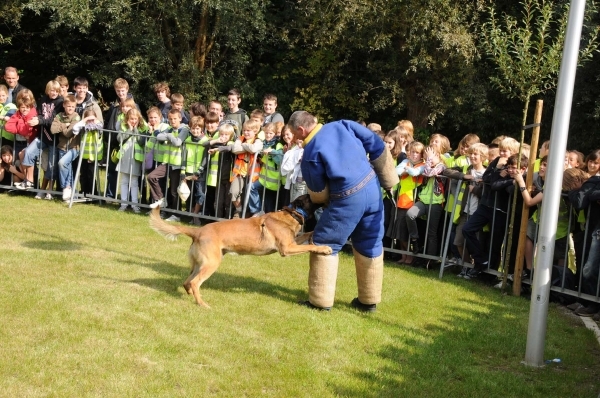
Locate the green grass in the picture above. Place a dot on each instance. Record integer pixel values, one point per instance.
(91, 304)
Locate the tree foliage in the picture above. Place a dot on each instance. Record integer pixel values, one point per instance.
(376, 60)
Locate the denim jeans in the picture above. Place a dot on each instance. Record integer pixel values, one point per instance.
(33, 153)
(65, 169)
(592, 266)
(255, 200)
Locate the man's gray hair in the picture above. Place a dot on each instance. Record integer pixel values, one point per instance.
(301, 118)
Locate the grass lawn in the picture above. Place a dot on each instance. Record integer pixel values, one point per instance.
(92, 304)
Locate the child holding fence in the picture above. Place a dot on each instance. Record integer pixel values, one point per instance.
(195, 161)
(409, 171)
(168, 148)
(267, 185)
(492, 210)
(68, 143)
(245, 165)
(212, 132)
(292, 184)
(20, 124)
(131, 156)
(7, 109)
(430, 203)
(9, 167)
(470, 191)
(48, 107)
(91, 148)
(220, 149)
(395, 140)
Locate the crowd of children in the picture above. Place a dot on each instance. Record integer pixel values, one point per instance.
(235, 165)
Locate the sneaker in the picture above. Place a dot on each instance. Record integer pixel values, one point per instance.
(575, 306)
(472, 274)
(363, 307)
(136, 209)
(590, 310)
(23, 185)
(195, 221)
(158, 203)
(39, 196)
(415, 248)
(463, 272)
(173, 218)
(48, 196)
(123, 208)
(596, 317)
(66, 194)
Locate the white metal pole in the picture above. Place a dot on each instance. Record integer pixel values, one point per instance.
(538, 313)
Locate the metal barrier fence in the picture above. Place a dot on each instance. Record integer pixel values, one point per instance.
(96, 179)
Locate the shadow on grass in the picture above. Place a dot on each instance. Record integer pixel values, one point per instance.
(419, 356)
(52, 245)
(229, 283)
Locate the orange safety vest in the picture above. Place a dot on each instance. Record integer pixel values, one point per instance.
(241, 168)
(408, 185)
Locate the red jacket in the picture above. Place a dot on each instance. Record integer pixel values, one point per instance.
(17, 124)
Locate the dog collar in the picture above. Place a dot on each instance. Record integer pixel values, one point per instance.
(298, 214)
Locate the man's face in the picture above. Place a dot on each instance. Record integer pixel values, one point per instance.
(298, 133)
(215, 107)
(81, 91)
(269, 106)
(121, 93)
(12, 79)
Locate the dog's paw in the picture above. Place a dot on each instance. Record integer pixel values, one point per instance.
(326, 250)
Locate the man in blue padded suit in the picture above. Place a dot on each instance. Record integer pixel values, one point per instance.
(344, 164)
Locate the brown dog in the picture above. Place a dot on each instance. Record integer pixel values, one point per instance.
(270, 233)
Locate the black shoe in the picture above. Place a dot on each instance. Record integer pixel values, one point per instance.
(415, 246)
(590, 310)
(363, 307)
(463, 272)
(472, 274)
(312, 306)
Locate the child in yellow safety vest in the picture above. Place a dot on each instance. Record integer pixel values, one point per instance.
(267, 185)
(409, 171)
(195, 161)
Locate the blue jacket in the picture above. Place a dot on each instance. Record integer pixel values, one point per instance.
(338, 154)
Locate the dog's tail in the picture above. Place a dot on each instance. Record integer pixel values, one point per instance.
(169, 231)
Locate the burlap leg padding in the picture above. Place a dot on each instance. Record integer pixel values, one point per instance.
(369, 278)
(322, 277)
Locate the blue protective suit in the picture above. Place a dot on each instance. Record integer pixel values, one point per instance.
(335, 155)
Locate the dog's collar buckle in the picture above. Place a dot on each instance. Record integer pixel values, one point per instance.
(298, 216)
